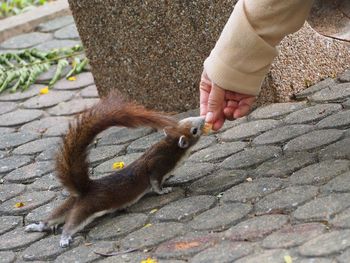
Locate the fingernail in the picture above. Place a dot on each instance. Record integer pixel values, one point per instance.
(209, 117)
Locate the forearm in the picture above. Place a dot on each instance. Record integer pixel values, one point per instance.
(246, 48)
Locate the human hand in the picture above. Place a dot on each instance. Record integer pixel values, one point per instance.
(218, 104)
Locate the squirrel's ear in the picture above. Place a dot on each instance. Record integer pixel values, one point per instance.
(183, 142)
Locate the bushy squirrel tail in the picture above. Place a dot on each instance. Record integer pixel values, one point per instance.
(71, 162)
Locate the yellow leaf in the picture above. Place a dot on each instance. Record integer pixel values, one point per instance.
(249, 179)
(186, 245)
(153, 211)
(118, 165)
(147, 225)
(73, 78)
(19, 204)
(44, 91)
(149, 260)
(288, 259)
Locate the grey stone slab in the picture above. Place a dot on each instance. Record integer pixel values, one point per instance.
(190, 172)
(7, 223)
(313, 140)
(248, 129)
(332, 94)
(89, 92)
(341, 220)
(152, 235)
(17, 238)
(285, 165)
(48, 182)
(3, 154)
(286, 199)
(338, 120)
(282, 134)
(320, 173)
(8, 191)
(8, 164)
(266, 256)
(326, 244)
(19, 117)
(11, 140)
(55, 24)
(224, 252)
(185, 209)
(7, 256)
(217, 152)
(339, 184)
(123, 135)
(130, 257)
(103, 153)
(338, 150)
(49, 126)
(107, 166)
(7, 107)
(30, 201)
(48, 100)
(315, 88)
(204, 142)
(252, 190)
(72, 107)
(114, 228)
(52, 44)
(47, 76)
(48, 154)
(218, 182)
(312, 114)
(317, 260)
(42, 212)
(344, 257)
(229, 124)
(4, 130)
(251, 157)
(37, 145)
(346, 104)
(276, 110)
(67, 32)
(144, 143)
(28, 173)
(345, 76)
(322, 208)
(220, 217)
(293, 235)
(82, 80)
(18, 96)
(26, 40)
(256, 227)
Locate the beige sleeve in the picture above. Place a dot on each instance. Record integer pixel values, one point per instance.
(246, 48)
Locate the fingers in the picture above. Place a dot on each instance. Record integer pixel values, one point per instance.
(215, 105)
(244, 107)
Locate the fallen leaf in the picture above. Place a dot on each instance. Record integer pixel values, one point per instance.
(288, 259)
(118, 165)
(149, 260)
(44, 91)
(147, 225)
(73, 78)
(19, 204)
(249, 179)
(186, 245)
(153, 211)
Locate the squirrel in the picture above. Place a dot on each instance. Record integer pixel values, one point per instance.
(89, 198)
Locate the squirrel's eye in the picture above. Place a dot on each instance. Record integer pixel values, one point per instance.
(194, 130)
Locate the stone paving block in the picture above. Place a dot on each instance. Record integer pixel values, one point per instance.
(72, 107)
(7, 223)
(11, 140)
(312, 114)
(48, 154)
(282, 134)
(224, 252)
(315, 88)
(316, 260)
(218, 182)
(17, 238)
(144, 143)
(107, 167)
(30, 201)
(26, 40)
(52, 44)
(47, 76)
(276, 110)
(185, 209)
(313, 140)
(37, 145)
(48, 100)
(252, 190)
(48, 182)
(229, 124)
(4, 130)
(42, 212)
(67, 32)
(248, 129)
(217, 152)
(322, 208)
(123, 135)
(3, 154)
(56, 23)
(338, 120)
(326, 244)
(338, 150)
(341, 220)
(337, 93)
(7, 256)
(251, 157)
(256, 227)
(341, 183)
(82, 80)
(220, 217)
(28, 173)
(18, 117)
(269, 256)
(346, 104)
(89, 92)
(150, 202)
(320, 173)
(345, 76)
(119, 226)
(186, 246)
(49, 126)
(131, 257)
(344, 257)
(190, 172)
(204, 142)
(293, 235)
(103, 153)
(285, 165)
(18, 96)
(7, 107)
(150, 236)
(286, 199)
(8, 191)
(8, 164)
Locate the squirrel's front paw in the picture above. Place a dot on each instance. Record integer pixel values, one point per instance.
(165, 190)
(65, 241)
(41, 227)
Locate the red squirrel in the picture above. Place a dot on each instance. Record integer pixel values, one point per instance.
(89, 198)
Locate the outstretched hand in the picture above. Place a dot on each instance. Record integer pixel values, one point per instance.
(218, 104)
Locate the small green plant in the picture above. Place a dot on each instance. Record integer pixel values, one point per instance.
(20, 70)
(14, 7)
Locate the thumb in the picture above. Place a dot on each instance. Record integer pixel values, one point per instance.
(215, 104)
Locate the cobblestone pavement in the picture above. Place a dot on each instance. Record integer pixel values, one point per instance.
(269, 186)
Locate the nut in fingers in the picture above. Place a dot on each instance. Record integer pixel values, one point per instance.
(207, 128)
